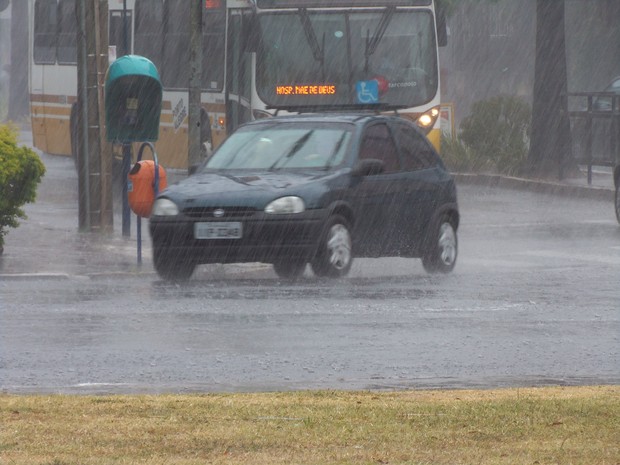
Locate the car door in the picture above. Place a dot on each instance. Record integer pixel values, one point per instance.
(420, 165)
(378, 198)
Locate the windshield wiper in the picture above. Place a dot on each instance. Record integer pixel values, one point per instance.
(335, 151)
(373, 43)
(318, 52)
(299, 143)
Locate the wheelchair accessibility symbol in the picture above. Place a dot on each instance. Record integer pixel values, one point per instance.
(367, 91)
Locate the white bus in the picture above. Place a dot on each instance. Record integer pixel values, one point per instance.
(260, 58)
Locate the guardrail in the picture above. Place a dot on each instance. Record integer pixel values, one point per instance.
(595, 127)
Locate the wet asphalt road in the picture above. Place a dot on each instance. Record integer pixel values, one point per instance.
(534, 300)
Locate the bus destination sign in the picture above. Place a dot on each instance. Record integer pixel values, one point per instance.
(306, 89)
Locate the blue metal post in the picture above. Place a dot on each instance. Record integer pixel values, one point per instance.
(126, 166)
(156, 190)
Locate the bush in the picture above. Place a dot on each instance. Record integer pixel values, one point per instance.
(498, 131)
(460, 158)
(20, 172)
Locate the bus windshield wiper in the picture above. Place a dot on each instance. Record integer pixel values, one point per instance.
(318, 52)
(373, 42)
(296, 147)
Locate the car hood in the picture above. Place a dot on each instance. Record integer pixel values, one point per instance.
(243, 189)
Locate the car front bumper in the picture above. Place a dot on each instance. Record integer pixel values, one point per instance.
(265, 238)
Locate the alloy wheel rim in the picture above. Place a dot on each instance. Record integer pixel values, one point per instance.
(447, 244)
(339, 246)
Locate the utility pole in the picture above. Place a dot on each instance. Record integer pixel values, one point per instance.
(195, 84)
(82, 132)
(105, 147)
(95, 164)
(18, 80)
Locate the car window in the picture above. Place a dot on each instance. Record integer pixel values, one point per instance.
(416, 152)
(282, 146)
(378, 143)
(615, 86)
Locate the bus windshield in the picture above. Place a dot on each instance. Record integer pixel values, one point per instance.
(347, 58)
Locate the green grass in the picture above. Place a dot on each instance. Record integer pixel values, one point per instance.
(513, 426)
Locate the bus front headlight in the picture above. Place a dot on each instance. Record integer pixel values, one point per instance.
(427, 120)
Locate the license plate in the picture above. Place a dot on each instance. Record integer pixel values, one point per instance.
(220, 230)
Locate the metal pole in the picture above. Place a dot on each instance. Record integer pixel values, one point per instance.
(126, 166)
(83, 163)
(125, 29)
(139, 234)
(589, 139)
(94, 129)
(195, 84)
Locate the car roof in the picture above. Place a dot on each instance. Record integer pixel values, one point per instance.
(614, 84)
(357, 118)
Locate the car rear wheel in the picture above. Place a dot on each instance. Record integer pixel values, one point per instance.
(172, 268)
(441, 252)
(618, 201)
(289, 269)
(334, 256)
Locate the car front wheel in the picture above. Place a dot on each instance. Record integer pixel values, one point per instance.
(441, 252)
(170, 267)
(334, 255)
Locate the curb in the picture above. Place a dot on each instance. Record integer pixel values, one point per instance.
(538, 186)
(233, 269)
(37, 276)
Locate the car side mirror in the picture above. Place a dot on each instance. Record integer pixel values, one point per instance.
(369, 167)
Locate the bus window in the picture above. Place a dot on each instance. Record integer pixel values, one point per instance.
(45, 32)
(148, 36)
(67, 30)
(175, 72)
(213, 35)
(120, 32)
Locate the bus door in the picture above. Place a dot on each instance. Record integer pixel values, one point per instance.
(238, 71)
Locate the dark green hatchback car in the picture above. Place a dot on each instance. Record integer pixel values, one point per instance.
(318, 189)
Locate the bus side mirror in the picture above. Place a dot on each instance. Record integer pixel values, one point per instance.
(442, 25)
(133, 100)
(251, 33)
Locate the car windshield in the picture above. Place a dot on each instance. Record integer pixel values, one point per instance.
(282, 146)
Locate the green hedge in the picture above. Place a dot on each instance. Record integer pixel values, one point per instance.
(493, 138)
(21, 171)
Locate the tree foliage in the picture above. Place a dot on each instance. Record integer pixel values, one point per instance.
(21, 171)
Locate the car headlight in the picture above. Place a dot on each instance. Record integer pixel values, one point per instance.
(286, 205)
(164, 207)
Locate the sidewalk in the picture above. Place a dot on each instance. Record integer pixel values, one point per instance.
(48, 245)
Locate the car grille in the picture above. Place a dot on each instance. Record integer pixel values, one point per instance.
(229, 212)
